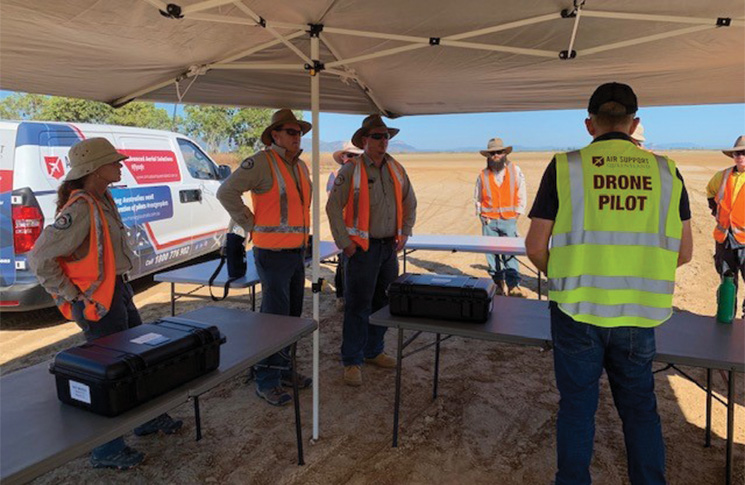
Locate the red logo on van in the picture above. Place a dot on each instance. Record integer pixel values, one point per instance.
(55, 167)
(152, 166)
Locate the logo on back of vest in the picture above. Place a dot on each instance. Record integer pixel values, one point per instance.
(598, 161)
(248, 163)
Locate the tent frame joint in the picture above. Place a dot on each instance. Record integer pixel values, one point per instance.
(172, 11)
(315, 68)
(317, 286)
(565, 55)
(724, 22)
(315, 30)
(261, 22)
(434, 41)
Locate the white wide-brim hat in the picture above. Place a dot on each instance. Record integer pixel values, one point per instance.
(347, 148)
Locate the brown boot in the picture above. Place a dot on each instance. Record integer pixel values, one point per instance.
(382, 360)
(353, 375)
(500, 288)
(516, 291)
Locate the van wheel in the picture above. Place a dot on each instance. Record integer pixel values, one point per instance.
(41, 318)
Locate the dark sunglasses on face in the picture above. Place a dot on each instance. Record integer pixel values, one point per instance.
(291, 131)
(347, 155)
(740, 153)
(380, 136)
(498, 152)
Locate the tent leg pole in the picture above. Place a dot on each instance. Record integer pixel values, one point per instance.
(315, 103)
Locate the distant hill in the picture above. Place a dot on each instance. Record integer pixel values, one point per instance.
(395, 146)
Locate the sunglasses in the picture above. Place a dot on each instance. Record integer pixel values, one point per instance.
(740, 153)
(347, 155)
(498, 152)
(291, 131)
(380, 136)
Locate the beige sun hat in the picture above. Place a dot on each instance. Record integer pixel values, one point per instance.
(494, 145)
(739, 146)
(89, 155)
(279, 118)
(372, 121)
(347, 148)
(638, 134)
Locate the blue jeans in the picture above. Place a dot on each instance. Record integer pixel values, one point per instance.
(282, 275)
(581, 352)
(502, 267)
(367, 275)
(122, 315)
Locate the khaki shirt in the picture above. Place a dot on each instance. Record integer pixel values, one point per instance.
(382, 202)
(69, 237)
(254, 174)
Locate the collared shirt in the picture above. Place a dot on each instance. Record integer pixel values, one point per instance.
(522, 196)
(69, 237)
(254, 174)
(546, 203)
(382, 202)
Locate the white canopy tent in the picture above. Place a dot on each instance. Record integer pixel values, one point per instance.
(395, 57)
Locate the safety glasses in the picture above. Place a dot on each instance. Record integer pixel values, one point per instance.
(498, 152)
(740, 153)
(291, 131)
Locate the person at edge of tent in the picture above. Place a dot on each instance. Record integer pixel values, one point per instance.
(500, 198)
(638, 135)
(618, 219)
(726, 197)
(371, 211)
(65, 257)
(342, 157)
(279, 183)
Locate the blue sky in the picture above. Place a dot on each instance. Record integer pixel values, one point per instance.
(705, 126)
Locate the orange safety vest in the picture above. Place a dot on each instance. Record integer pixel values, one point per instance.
(499, 201)
(730, 210)
(95, 273)
(282, 215)
(357, 208)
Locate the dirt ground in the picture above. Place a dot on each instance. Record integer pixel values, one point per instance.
(495, 418)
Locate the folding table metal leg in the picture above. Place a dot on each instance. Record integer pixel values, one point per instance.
(730, 423)
(295, 398)
(173, 299)
(397, 400)
(253, 298)
(437, 367)
(197, 418)
(404, 260)
(539, 286)
(707, 441)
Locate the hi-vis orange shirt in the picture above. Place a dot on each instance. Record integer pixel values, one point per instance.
(357, 208)
(95, 273)
(282, 214)
(499, 201)
(730, 208)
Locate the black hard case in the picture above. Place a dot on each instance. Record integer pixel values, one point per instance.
(116, 374)
(444, 297)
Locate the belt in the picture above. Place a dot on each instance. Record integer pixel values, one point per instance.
(123, 277)
(383, 240)
(291, 250)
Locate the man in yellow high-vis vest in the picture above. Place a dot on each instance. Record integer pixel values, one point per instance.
(726, 197)
(618, 219)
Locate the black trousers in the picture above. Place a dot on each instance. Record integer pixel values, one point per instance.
(122, 315)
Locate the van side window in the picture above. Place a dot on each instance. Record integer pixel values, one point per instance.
(199, 164)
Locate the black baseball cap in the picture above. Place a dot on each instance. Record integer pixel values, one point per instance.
(618, 92)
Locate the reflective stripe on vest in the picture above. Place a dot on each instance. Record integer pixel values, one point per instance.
(94, 274)
(504, 205)
(357, 208)
(282, 214)
(615, 270)
(730, 210)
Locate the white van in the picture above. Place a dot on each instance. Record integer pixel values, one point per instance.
(166, 198)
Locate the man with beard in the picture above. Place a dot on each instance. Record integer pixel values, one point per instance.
(500, 198)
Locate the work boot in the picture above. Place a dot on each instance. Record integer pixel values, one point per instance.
(275, 396)
(382, 360)
(163, 423)
(500, 288)
(353, 375)
(122, 460)
(516, 291)
(303, 382)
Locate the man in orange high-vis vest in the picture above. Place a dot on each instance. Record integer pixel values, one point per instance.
(726, 194)
(279, 225)
(371, 210)
(500, 198)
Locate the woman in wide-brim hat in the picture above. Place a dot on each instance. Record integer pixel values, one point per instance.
(282, 117)
(368, 124)
(82, 198)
